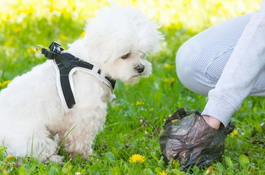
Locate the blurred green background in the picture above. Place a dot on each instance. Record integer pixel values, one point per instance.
(192, 14)
(24, 24)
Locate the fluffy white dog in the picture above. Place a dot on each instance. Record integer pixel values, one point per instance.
(32, 107)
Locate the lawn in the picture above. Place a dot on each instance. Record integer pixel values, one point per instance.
(135, 118)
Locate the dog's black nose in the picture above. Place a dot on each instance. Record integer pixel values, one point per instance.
(139, 68)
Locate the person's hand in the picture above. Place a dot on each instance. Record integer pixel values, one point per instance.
(191, 141)
(213, 122)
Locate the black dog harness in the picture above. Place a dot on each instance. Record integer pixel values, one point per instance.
(67, 64)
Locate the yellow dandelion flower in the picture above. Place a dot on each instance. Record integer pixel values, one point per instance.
(168, 66)
(10, 156)
(234, 133)
(82, 34)
(162, 173)
(4, 171)
(169, 80)
(5, 83)
(152, 109)
(210, 171)
(174, 120)
(28, 10)
(139, 103)
(73, 7)
(166, 80)
(169, 115)
(34, 50)
(51, 9)
(137, 158)
(18, 29)
(51, 19)
(8, 16)
(62, 37)
(8, 37)
(64, 11)
(31, 50)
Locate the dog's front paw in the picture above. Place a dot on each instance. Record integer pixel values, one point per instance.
(84, 154)
(55, 158)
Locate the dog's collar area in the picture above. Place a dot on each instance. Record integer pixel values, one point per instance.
(65, 63)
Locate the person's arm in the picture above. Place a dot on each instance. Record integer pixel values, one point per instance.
(240, 73)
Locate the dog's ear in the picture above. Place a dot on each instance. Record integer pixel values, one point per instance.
(96, 44)
(150, 38)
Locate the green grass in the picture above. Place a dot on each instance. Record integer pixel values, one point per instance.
(130, 128)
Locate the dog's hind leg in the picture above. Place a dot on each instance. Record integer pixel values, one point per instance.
(36, 143)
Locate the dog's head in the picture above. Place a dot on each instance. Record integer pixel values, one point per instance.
(119, 39)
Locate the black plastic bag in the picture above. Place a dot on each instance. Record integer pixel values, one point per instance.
(191, 141)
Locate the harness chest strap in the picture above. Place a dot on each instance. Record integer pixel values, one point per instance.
(65, 65)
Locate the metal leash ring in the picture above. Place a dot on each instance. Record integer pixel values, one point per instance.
(39, 48)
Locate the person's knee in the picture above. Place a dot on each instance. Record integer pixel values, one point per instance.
(190, 67)
(184, 62)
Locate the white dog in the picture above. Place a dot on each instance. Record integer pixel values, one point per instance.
(33, 108)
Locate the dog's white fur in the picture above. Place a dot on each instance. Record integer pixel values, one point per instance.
(31, 112)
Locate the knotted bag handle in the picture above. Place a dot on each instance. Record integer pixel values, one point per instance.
(181, 113)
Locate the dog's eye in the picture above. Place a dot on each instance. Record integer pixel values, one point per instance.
(126, 56)
(142, 56)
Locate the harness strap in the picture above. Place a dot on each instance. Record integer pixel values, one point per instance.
(65, 63)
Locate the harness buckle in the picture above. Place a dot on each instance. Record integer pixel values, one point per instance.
(55, 47)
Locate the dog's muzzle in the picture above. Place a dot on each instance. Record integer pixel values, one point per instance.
(139, 68)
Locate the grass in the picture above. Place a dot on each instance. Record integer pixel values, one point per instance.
(135, 118)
